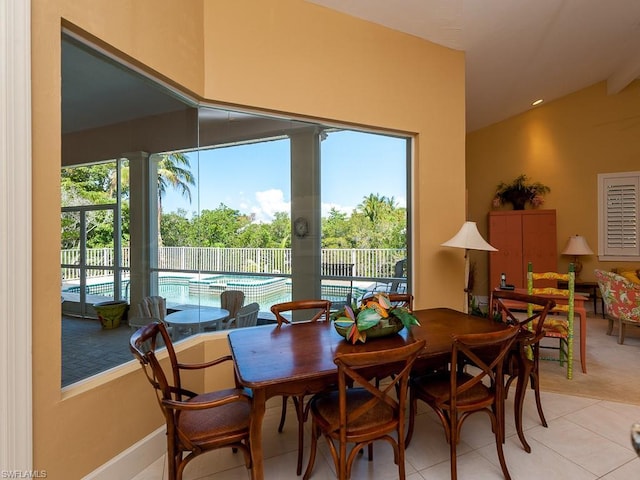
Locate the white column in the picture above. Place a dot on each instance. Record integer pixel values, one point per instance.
(16, 431)
(305, 204)
(142, 224)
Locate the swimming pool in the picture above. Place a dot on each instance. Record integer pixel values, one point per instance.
(180, 290)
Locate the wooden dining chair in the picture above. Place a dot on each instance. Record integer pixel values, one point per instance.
(313, 310)
(455, 394)
(401, 300)
(560, 324)
(525, 352)
(196, 423)
(360, 412)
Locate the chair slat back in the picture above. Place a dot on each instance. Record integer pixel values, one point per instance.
(402, 300)
(319, 309)
(393, 393)
(143, 345)
(500, 302)
(568, 293)
(465, 351)
(247, 316)
(153, 307)
(232, 300)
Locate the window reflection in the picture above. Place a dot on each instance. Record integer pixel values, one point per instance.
(194, 201)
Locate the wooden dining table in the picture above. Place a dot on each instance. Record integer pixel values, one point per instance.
(298, 358)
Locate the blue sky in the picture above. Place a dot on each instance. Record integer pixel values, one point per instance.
(255, 178)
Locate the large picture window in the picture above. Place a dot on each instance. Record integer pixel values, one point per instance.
(201, 200)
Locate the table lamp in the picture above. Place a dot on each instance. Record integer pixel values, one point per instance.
(470, 239)
(577, 246)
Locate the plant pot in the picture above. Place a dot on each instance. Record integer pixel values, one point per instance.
(518, 204)
(110, 313)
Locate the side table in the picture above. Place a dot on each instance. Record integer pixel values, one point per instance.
(592, 289)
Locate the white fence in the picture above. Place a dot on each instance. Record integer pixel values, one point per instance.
(367, 263)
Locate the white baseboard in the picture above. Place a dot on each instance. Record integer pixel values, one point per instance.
(134, 459)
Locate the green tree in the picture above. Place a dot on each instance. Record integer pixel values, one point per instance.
(281, 230)
(255, 235)
(336, 230)
(177, 230)
(173, 171)
(219, 227)
(86, 186)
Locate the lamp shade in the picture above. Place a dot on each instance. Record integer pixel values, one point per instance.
(469, 238)
(577, 245)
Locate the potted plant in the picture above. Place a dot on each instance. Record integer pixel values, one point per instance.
(110, 313)
(376, 317)
(520, 192)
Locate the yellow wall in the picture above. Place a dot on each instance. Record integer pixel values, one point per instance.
(280, 55)
(563, 144)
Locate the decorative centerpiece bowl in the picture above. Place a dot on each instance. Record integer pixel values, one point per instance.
(376, 317)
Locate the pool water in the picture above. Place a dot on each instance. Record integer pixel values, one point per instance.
(205, 291)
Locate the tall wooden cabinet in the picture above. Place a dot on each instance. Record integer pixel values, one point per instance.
(521, 236)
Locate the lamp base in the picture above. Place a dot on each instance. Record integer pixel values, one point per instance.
(577, 267)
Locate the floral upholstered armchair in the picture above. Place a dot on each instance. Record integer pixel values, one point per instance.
(622, 300)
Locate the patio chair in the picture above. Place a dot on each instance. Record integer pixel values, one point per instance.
(397, 285)
(247, 316)
(196, 423)
(153, 308)
(231, 300)
(360, 413)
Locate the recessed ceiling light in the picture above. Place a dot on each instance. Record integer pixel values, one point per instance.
(537, 102)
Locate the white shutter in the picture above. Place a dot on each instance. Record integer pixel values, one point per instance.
(619, 205)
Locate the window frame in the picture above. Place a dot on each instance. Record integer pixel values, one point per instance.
(607, 213)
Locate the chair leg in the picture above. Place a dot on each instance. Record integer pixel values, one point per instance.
(503, 463)
(535, 383)
(610, 327)
(299, 404)
(621, 332)
(314, 446)
(570, 357)
(453, 444)
(283, 415)
(412, 416)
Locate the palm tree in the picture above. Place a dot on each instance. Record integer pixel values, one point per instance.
(374, 204)
(173, 171)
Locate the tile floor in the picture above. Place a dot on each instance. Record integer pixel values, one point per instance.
(586, 439)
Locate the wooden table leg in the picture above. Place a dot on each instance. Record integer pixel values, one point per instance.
(255, 433)
(582, 313)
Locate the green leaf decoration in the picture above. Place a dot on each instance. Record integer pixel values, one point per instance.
(368, 318)
(405, 317)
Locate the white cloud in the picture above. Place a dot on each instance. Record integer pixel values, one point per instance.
(269, 202)
(326, 208)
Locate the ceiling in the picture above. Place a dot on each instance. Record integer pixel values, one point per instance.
(517, 51)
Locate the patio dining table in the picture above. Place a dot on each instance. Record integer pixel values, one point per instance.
(298, 358)
(193, 320)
